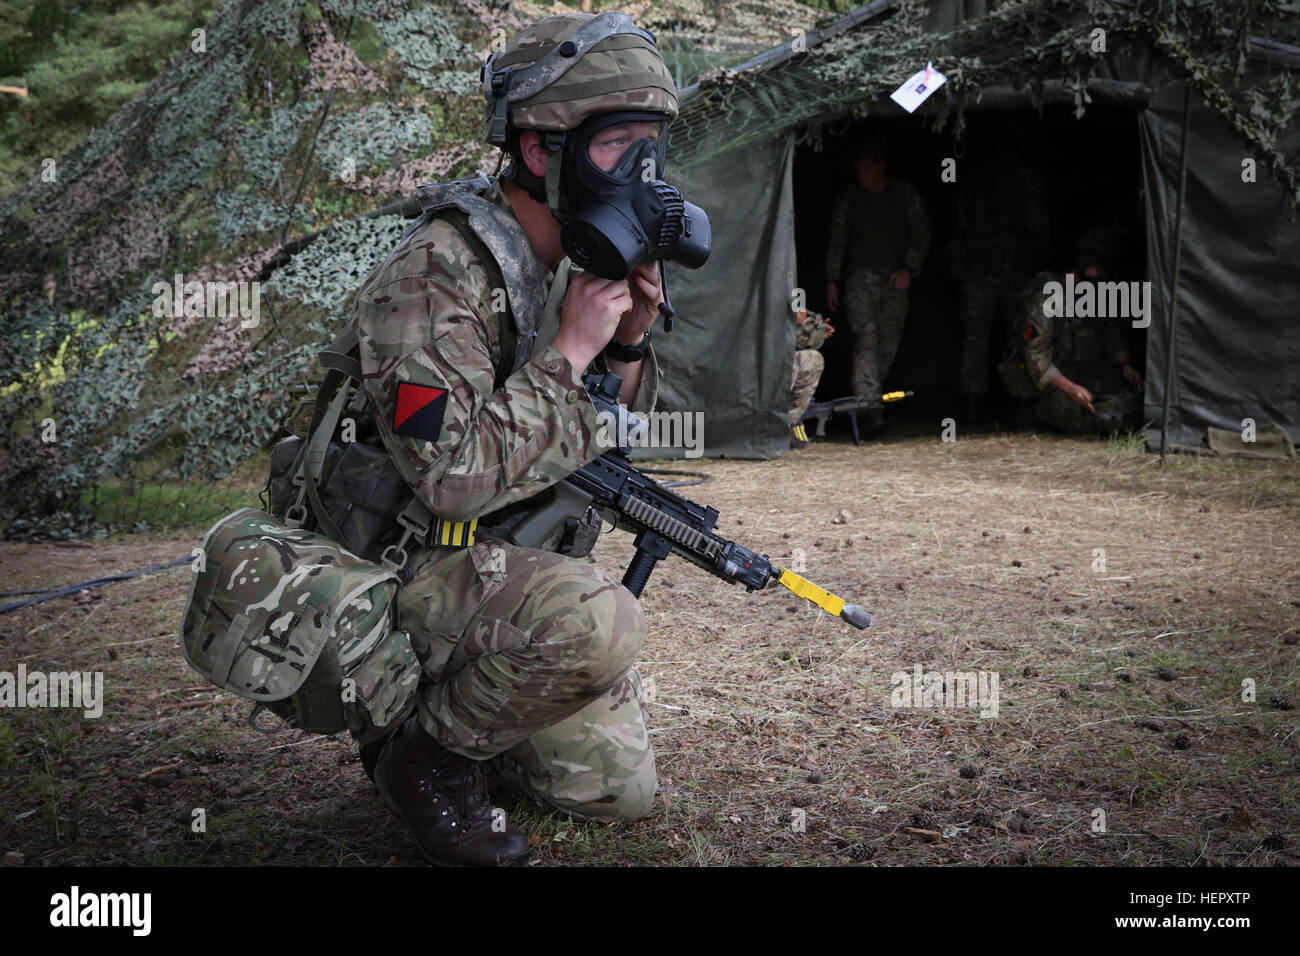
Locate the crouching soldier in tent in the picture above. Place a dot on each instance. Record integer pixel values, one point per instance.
(813, 330)
(1078, 366)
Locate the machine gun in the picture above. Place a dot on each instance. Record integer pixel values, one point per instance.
(848, 406)
(664, 522)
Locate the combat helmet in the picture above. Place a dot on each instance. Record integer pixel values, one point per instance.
(558, 72)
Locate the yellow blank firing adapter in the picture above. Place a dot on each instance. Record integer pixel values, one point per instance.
(828, 602)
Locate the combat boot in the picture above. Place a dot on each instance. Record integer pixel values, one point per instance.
(370, 754)
(442, 797)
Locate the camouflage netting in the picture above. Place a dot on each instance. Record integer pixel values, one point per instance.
(285, 119)
(1022, 44)
(278, 120)
(282, 119)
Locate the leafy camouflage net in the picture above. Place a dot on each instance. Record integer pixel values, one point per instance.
(279, 119)
(275, 121)
(1025, 44)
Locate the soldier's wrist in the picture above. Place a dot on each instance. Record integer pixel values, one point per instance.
(628, 352)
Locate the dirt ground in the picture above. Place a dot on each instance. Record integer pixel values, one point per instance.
(1126, 610)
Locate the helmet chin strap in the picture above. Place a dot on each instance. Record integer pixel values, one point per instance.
(554, 196)
(544, 190)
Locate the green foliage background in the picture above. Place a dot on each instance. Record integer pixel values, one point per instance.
(81, 62)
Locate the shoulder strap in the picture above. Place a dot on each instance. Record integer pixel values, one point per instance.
(506, 336)
(324, 419)
(342, 355)
(522, 275)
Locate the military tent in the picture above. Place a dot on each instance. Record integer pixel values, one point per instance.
(1231, 352)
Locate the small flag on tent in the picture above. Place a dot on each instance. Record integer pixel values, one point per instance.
(918, 88)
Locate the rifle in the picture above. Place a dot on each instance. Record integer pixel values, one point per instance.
(852, 405)
(663, 521)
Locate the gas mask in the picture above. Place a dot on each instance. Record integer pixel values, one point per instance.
(619, 218)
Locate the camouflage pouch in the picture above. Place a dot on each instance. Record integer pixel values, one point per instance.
(288, 618)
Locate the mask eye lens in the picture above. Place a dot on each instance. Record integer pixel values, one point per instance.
(608, 146)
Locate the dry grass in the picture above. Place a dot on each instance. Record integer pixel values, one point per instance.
(1120, 689)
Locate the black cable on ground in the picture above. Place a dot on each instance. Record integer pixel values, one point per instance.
(700, 477)
(74, 588)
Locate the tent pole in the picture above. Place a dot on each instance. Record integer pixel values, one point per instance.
(1173, 281)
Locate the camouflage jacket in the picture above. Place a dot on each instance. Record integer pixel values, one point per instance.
(884, 230)
(1056, 345)
(430, 322)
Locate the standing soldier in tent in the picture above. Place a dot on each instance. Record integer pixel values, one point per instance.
(527, 655)
(879, 236)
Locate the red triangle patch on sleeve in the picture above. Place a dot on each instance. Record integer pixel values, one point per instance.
(419, 411)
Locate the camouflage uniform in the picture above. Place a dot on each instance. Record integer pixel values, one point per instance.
(808, 364)
(1088, 351)
(878, 233)
(526, 655)
(1002, 219)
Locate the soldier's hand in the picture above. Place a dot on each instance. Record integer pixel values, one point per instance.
(647, 292)
(901, 280)
(1082, 396)
(832, 296)
(589, 316)
(1131, 375)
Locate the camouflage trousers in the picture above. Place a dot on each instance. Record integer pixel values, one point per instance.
(876, 312)
(808, 365)
(527, 661)
(984, 300)
(1118, 405)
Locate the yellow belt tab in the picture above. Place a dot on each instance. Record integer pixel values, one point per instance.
(453, 534)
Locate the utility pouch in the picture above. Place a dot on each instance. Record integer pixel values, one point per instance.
(289, 619)
(363, 495)
(359, 487)
(286, 458)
